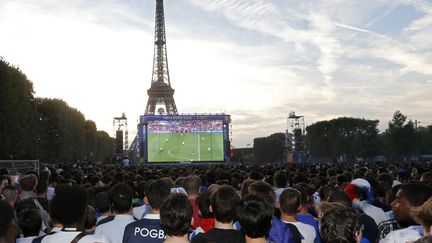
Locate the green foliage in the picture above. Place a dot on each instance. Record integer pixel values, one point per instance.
(16, 113)
(345, 136)
(401, 136)
(269, 149)
(63, 134)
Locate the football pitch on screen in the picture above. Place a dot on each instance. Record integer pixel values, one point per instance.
(191, 147)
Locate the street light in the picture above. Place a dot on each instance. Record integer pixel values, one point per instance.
(36, 102)
(417, 139)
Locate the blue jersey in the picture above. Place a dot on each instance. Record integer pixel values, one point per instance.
(310, 220)
(144, 230)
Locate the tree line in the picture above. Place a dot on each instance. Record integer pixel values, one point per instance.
(348, 139)
(43, 128)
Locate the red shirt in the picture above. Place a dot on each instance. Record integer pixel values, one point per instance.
(196, 217)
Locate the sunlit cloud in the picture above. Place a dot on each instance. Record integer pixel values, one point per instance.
(257, 60)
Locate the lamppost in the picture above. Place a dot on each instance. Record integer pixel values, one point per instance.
(36, 118)
(417, 139)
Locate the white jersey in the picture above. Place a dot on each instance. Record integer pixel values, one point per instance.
(306, 230)
(114, 230)
(26, 239)
(139, 212)
(68, 236)
(409, 234)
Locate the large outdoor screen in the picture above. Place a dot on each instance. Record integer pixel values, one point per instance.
(184, 139)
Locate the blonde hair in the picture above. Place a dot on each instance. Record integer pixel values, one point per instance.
(324, 206)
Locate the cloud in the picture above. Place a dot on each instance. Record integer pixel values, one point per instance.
(257, 60)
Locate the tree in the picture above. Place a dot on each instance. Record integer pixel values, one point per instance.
(349, 137)
(401, 135)
(45, 129)
(269, 149)
(260, 149)
(17, 109)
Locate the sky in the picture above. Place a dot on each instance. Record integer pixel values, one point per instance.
(257, 60)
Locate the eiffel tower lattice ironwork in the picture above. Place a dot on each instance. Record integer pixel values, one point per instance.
(160, 93)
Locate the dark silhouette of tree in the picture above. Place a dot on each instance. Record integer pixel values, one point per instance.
(16, 113)
(45, 129)
(402, 136)
(349, 137)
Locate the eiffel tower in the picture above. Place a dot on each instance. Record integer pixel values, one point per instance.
(160, 93)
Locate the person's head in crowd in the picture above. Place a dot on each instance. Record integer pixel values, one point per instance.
(192, 184)
(140, 189)
(359, 190)
(210, 177)
(10, 194)
(176, 216)
(316, 182)
(8, 224)
(423, 216)
(290, 202)
(42, 188)
(403, 175)
(340, 224)
(324, 192)
(90, 219)
(224, 178)
(387, 177)
(3, 182)
(384, 189)
(255, 175)
(331, 172)
(407, 197)
(102, 203)
(25, 204)
(203, 181)
(280, 180)
(29, 222)
(341, 179)
(306, 193)
(264, 189)
(179, 181)
(68, 206)
(119, 177)
(169, 181)
(121, 198)
(224, 202)
(426, 177)
(340, 197)
(203, 202)
(28, 182)
(212, 188)
(156, 192)
(255, 216)
(244, 190)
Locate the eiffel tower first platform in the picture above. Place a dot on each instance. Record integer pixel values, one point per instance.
(161, 94)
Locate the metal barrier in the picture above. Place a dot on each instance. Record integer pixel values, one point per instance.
(16, 167)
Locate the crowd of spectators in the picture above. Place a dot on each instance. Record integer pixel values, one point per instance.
(307, 203)
(185, 126)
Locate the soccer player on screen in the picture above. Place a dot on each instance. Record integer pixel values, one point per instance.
(208, 149)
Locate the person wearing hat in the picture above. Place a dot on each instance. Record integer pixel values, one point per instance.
(360, 193)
